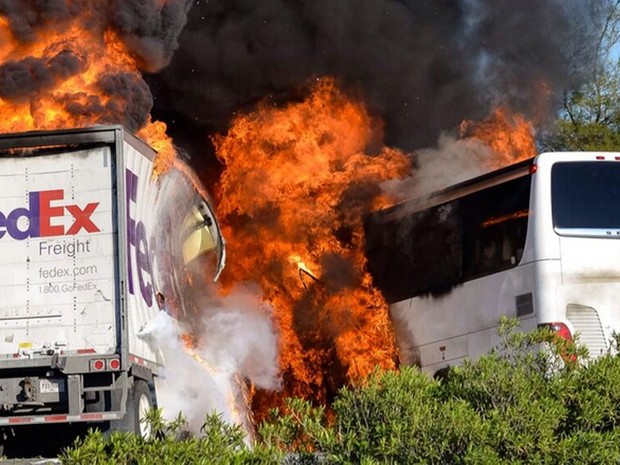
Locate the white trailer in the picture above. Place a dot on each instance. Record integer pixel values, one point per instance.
(89, 235)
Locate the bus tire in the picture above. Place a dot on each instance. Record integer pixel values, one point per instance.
(442, 374)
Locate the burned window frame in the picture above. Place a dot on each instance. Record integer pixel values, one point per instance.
(433, 264)
(496, 216)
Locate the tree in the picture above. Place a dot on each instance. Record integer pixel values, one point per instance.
(590, 115)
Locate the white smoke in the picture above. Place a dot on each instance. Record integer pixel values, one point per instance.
(452, 161)
(239, 336)
(238, 344)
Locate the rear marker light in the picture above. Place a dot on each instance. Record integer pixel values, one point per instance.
(114, 364)
(18, 420)
(84, 351)
(97, 365)
(600, 157)
(533, 168)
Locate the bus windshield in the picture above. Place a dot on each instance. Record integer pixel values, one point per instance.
(586, 197)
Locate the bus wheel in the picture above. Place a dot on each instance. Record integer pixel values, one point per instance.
(442, 373)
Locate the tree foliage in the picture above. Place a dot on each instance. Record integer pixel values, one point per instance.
(590, 115)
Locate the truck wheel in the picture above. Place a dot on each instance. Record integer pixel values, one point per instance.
(143, 402)
(138, 404)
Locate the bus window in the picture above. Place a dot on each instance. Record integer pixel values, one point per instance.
(585, 195)
(499, 246)
(201, 237)
(187, 241)
(488, 247)
(433, 250)
(495, 227)
(418, 254)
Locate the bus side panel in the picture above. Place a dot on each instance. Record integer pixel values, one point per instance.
(433, 332)
(544, 244)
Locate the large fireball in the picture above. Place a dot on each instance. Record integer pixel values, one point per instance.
(296, 184)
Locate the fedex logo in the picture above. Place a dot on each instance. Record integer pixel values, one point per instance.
(137, 245)
(41, 214)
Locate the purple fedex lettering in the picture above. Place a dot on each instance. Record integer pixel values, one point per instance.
(40, 214)
(33, 223)
(136, 238)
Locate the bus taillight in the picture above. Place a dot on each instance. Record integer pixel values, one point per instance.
(566, 351)
(560, 329)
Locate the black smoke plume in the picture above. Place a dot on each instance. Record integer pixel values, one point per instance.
(148, 28)
(421, 65)
(20, 79)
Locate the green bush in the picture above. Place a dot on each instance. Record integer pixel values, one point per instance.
(535, 400)
(220, 444)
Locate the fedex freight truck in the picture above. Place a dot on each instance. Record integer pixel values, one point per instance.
(90, 236)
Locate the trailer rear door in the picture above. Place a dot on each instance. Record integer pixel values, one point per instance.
(58, 252)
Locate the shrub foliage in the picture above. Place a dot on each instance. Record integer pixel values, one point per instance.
(534, 400)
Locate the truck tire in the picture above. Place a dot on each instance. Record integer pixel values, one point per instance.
(139, 402)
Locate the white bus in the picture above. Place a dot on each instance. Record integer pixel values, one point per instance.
(539, 240)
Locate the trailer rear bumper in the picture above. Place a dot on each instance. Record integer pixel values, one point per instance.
(60, 418)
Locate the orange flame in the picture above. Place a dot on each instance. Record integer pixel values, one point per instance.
(504, 218)
(154, 133)
(74, 96)
(296, 184)
(509, 135)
